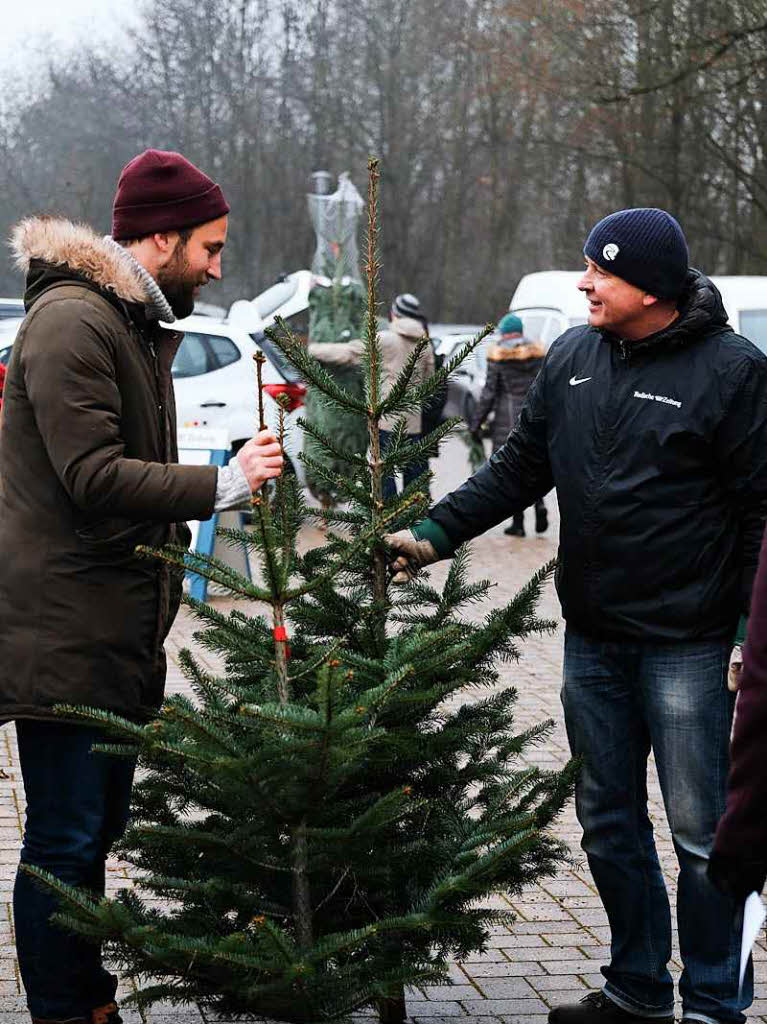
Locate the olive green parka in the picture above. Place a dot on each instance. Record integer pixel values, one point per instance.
(87, 473)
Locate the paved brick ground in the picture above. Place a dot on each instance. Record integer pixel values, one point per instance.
(559, 941)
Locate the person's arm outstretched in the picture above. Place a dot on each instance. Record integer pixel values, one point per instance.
(515, 476)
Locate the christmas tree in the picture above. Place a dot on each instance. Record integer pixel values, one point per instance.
(323, 823)
(336, 314)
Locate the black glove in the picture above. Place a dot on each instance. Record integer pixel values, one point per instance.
(737, 877)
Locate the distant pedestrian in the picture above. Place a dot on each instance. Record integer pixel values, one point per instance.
(407, 326)
(432, 411)
(651, 421)
(513, 363)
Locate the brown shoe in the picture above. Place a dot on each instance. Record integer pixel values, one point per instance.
(60, 1020)
(108, 1014)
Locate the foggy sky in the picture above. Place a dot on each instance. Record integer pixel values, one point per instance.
(23, 24)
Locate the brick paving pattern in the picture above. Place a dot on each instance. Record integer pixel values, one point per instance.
(553, 951)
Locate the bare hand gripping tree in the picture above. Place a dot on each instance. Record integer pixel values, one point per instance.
(323, 823)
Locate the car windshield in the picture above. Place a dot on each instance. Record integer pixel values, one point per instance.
(276, 357)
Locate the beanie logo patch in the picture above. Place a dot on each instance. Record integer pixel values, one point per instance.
(610, 251)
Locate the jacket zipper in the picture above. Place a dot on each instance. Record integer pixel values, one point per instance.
(156, 372)
(603, 440)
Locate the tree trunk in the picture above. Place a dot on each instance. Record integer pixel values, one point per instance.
(393, 1010)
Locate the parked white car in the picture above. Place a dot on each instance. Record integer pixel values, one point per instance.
(11, 309)
(9, 327)
(214, 377)
(465, 385)
(548, 302)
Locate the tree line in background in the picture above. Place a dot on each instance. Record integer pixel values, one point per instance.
(505, 129)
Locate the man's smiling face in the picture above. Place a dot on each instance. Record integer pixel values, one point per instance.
(614, 304)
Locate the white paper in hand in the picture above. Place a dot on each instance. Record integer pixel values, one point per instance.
(754, 914)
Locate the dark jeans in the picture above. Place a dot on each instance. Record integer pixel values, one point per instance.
(621, 700)
(77, 805)
(519, 518)
(409, 473)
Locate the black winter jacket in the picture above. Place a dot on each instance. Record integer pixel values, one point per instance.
(658, 451)
(510, 372)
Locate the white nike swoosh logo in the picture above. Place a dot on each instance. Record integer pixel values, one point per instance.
(574, 381)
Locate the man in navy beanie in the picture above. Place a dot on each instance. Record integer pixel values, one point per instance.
(651, 422)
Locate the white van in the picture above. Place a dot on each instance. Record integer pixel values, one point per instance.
(548, 302)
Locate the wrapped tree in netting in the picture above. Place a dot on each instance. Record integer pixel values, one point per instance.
(336, 314)
(325, 821)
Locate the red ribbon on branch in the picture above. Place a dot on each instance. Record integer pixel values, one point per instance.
(281, 636)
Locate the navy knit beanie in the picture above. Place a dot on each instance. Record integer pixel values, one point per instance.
(645, 247)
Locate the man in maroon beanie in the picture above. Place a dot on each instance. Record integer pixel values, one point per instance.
(88, 471)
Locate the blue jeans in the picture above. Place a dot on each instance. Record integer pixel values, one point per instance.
(77, 805)
(409, 473)
(621, 700)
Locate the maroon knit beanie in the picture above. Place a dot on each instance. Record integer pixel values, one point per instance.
(163, 191)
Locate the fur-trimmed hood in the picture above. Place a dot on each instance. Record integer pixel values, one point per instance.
(525, 350)
(62, 244)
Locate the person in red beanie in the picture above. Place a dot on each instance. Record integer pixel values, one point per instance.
(88, 472)
(738, 864)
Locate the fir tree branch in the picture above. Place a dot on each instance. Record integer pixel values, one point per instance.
(326, 443)
(344, 486)
(419, 394)
(373, 353)
(340, 517)
(210, 568)
(400, 455)
(311, 371)
(400, 388)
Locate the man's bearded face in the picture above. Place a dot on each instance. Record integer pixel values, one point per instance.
(180, 282)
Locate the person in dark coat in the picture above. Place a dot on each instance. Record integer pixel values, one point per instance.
(651, 421)
(513, 363)
(738, 864)
(88, 472)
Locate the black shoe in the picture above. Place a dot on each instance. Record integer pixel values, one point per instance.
(541, 519)
(515, 529)
(597, 1008)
